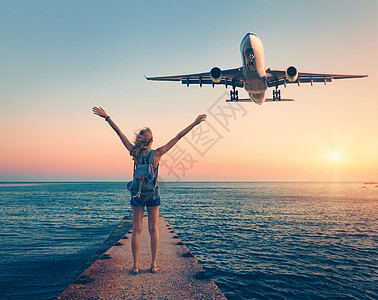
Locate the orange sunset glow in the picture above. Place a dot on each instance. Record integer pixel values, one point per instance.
(49, 133)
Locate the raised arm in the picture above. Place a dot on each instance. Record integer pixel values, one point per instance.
(164, 149)
(101, 112)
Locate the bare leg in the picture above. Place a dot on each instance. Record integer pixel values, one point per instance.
(137, 230)
(153, 218)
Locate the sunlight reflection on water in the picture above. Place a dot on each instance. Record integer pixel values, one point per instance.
(313, 240)
(257, 240)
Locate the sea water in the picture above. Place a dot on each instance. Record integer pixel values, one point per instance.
(256, 240)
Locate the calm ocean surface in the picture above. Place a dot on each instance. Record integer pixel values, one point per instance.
(256, 240)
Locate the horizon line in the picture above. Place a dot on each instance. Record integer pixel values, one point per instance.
(204, 181)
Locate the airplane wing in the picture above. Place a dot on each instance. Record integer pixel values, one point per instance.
(230, 77)
(277, 77)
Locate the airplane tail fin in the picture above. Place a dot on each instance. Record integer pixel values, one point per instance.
(239, 100)
(266, 100)
(282, 99)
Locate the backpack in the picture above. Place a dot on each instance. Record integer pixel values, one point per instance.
(144, 186)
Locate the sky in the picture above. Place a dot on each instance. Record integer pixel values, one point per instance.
(60, 58)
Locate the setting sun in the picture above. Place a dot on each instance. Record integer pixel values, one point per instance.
(336, 157)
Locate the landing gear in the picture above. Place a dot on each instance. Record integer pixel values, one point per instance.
(276, 95)
(234, 95)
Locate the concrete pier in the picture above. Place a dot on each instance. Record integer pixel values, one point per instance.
(180, 275)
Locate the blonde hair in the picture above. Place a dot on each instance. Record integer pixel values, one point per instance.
(142, 141)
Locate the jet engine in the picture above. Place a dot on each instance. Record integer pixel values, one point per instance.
(216, 74)
(292, 74)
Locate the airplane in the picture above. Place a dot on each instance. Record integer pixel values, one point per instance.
(253, 75)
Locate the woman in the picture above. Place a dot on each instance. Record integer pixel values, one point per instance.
(142, 146)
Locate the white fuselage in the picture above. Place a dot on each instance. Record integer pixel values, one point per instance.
(254, 76)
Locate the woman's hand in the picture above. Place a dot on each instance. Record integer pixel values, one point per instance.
(200, 118)
(100, 112)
